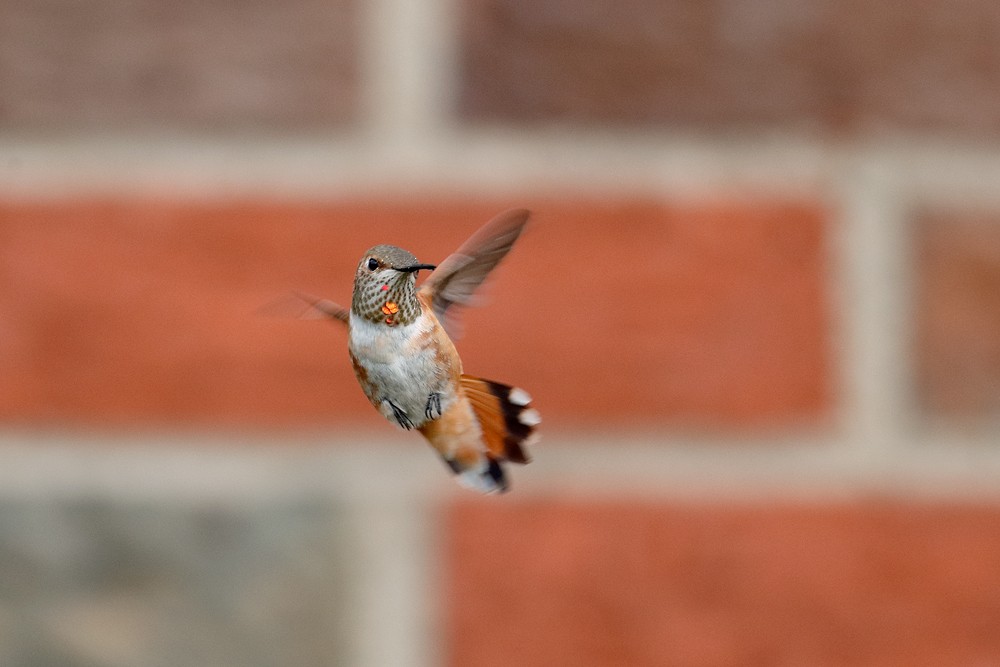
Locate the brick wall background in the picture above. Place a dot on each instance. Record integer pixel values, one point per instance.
(758, 308)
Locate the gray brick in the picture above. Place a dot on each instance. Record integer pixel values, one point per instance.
(92, 582)
(822, 66)
(73, 65)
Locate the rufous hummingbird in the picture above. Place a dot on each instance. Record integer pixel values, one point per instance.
(400, 343)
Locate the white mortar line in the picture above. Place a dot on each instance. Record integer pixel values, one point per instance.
(393, 551)
(872, 305)
(407, 79)
(400, 472)
(949, 173)
(405, 153)
(490, 162)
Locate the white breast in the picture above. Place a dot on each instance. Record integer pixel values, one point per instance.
(379, 343)
(401, 364)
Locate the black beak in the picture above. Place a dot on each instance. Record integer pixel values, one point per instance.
(415, 267)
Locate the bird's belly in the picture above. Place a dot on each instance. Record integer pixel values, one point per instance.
(401, 365)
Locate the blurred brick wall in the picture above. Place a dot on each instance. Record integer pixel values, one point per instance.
(617, 583)
(148, 311)
(195, 66)
(832, 67)
(958, 314)
(852, 304)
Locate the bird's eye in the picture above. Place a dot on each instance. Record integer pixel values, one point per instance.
(372, 264)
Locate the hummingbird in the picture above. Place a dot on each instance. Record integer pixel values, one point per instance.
(401, 345)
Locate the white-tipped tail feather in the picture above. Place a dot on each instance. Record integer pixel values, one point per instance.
(530, 417)
(507, 420)
(518, 396)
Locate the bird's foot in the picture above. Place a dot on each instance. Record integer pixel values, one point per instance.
(433, 409)
(400, 416)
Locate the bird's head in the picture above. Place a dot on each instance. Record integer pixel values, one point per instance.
(385, 285)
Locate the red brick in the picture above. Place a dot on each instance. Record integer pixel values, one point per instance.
(708, 315)
(810, 66)
(589, 584)
(958, 314)
(191, 64)
(701, 315)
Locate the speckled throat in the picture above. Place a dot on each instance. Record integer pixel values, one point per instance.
(387, 298)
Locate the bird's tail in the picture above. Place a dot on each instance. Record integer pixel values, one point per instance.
(507, 419)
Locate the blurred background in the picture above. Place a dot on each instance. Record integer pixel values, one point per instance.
(758, 308)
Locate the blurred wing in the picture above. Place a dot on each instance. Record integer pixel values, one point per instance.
(456, 279)
(306, 307)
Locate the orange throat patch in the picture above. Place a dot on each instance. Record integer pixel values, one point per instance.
(389, 310)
